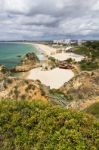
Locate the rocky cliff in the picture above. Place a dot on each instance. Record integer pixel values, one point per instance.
(28, 62)
(4, 72)
(81, 88)
(18, 89)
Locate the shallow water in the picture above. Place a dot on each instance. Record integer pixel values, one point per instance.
(12, 53)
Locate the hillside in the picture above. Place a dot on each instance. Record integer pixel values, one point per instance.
(4, 72)
(15, 88)
(34, 125)
(81, 88)
(29, 61)
(90, 50)
(93, 109)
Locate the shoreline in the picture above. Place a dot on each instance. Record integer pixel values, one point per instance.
(56, 77)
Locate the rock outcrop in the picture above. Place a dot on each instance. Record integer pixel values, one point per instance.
(4, 72)
(21, 89)
(81, 88)
(28, 62)
(50, 64)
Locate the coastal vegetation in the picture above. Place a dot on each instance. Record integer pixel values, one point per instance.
(89, 65)
(50, 64)
(35, 117)
(93, 109)
(90, 50)
(36, 125)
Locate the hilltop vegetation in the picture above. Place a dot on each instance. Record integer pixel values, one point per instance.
(38, 126)
(91, 50)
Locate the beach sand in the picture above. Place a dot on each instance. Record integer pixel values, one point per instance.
(64, 56)
(54, 78)
(50, 51)
(45, 49)
(57, 77)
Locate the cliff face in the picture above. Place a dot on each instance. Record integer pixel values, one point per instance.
(29, 61)
(83, 86)
(4, 72)
(18, 89)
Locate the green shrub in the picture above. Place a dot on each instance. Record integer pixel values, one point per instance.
(38, 126)
(94, 109)
(89, 65)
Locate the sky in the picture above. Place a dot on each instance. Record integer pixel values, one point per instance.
(49, 19)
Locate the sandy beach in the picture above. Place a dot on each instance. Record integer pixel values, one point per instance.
(64, 56)
(54, 78)
(45, 49)
(57, 77)
(50, 51)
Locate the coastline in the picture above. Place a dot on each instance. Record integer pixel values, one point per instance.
(56, 77)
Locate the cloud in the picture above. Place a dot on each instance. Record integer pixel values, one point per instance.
(35, 19)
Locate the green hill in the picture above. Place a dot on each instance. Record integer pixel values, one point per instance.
(39, 126)
(91, 50)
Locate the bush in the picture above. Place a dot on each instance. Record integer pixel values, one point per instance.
(89, 65)
(94, 109)
(34, 125)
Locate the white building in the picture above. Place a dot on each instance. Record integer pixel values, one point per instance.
(65, 41)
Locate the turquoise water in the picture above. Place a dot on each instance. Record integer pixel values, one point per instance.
(10, 52)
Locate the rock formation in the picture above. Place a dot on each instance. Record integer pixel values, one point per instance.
(4, 72)
(50, 64)
(81, 88)
(29, 61)
(18, 89)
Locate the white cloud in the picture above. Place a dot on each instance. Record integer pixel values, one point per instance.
(96, 6)
(41, 18)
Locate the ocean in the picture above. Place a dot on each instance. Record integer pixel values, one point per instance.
(10, 53)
